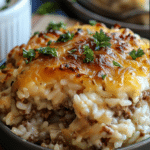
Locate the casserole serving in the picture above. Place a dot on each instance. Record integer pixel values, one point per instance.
(84, 87)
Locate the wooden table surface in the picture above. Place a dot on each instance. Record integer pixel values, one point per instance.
(40, 22)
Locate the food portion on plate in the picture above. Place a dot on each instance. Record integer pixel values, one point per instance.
(84, 87)
(124, 6)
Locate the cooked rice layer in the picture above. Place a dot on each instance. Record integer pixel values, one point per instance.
(63, 103)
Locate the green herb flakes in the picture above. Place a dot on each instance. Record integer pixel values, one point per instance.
(65, 37)
(101, 40)
(88, 53)
(135, 54)
(35, 33)
(116, 64)
(56, 26)
(47, 51)
(46, 37)
(72, 51)
(49, 43)
(28, 54)
(26, 61)
(104, 76)
(2, 67)
(42, 50)
(92, 22)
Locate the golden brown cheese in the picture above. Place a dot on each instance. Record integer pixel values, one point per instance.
(43, 69)
(90, 111)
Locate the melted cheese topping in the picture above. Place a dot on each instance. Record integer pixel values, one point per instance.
(132, 78)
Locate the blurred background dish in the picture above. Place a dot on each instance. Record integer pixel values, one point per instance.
(132, 11)
(87, 10)
(122, 5)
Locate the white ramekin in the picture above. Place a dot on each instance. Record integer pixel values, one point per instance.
(15, 26)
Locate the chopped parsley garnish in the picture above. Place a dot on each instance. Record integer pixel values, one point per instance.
(65, 37)
(47, 51)
(135, 54)
(72, 51)
(49, 43)
(104, 76)
(28, 54)
(56, 26)
(88, 53)
(2, 67)
(116, 64)
(35, 33)
(92, 22)
(101, 40)
(42, 50)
